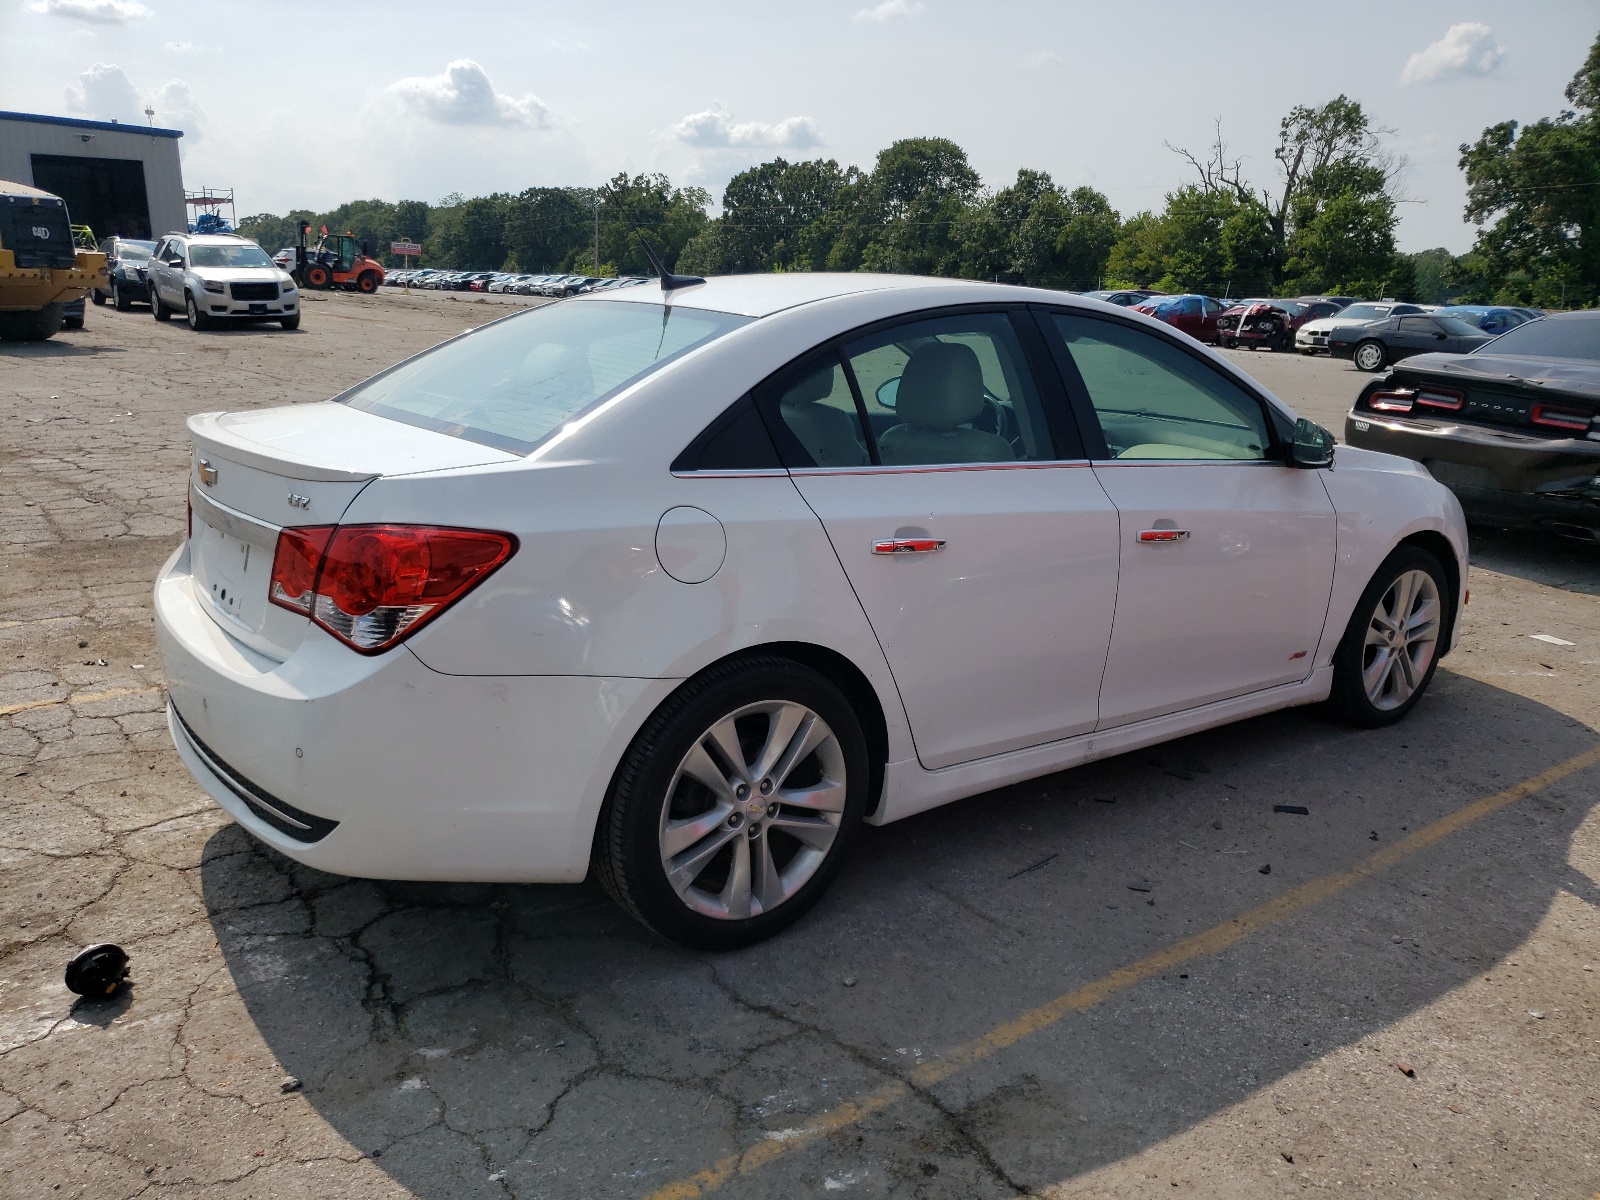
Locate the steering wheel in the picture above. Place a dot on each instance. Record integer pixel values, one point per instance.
(996, 418)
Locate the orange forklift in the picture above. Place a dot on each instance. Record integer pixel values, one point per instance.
(338, 260)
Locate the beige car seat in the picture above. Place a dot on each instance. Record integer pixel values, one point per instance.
(830, 435)
(941, 391)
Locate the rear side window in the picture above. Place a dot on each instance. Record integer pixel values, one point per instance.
(513, 383)
(1155, 401)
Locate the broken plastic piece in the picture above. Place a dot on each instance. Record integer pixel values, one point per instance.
(1550, 638)
(98, 970)
(1299, 810)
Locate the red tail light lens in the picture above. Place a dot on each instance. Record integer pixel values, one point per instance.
(1446, 398)
(1399, 400)
(1553, 416)
(371, 586)
(295, 564)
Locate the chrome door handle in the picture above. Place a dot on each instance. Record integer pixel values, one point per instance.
(1163, 535)
(914, 545)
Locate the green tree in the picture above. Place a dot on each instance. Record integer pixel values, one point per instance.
(545, 226)
(917, 193)
(470, 235)
(1534, 193)
(648, 205)
(765, 208)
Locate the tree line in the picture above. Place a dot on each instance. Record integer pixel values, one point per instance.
(1324, 223)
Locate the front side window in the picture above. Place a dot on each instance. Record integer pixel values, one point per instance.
(513, 383)
(1417, 325)
(950, 390)
(1155, 401)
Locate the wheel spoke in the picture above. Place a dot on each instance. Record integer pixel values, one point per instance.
(700, 766)
(726, 739)
(678, 836)
(765, 881)
(735, 895)
(683, 871)
(827, 796)
(781, 729)
(816, 832)
(1376, 676)
(1423, 622)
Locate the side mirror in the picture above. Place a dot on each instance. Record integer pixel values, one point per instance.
(1313, 445)
(888, 392)
(174, 262)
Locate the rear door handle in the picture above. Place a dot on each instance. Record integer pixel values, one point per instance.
(914, 545)
(1163, 535)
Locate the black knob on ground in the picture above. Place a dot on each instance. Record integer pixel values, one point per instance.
(98, 970)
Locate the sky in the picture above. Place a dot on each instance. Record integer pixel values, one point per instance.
(296, 104)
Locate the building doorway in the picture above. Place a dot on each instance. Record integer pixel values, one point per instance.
(106, 194)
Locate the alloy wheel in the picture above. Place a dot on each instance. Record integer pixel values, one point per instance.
(1402, 635)
(1369, 356)
(752, 810)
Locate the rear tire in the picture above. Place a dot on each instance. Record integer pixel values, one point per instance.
(158, 310)
(318, 276)
(1369, 356)
(1390, 649)
(753, 847)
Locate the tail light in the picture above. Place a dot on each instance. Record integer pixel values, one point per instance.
(371, 586)
(1446, 398)
(1554, 416)
(1398, 400)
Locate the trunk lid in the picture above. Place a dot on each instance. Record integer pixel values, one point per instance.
(255, 472)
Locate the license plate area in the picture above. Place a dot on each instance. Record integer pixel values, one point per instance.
(258, 308)
(230, 575)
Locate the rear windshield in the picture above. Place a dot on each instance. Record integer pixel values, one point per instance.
(228, 256)
(37, 233)
(513, 383)
(1577, 338)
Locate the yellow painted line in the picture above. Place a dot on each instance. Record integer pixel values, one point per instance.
(1201, 945)
(84, 698)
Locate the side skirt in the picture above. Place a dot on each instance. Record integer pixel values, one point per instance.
(910, 788)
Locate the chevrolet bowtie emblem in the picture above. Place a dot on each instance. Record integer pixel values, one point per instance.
(208, 473)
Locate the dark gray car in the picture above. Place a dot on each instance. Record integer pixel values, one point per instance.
(1376, 344)
(127, 260)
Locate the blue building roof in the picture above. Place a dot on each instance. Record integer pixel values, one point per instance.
(77, 123)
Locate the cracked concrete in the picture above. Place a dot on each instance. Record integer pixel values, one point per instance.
(289, 1033)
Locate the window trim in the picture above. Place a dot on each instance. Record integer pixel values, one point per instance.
(1279, 428)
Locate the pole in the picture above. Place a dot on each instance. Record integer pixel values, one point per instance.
(597, 234)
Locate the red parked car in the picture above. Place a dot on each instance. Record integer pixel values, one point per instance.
(1268, 323)
(1194, 315)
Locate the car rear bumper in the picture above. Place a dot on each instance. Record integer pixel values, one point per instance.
(1498, 475)
(383, 768)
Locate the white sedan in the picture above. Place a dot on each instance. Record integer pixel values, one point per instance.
(682, 586)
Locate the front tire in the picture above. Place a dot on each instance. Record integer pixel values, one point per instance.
(1390, 649)
(198, 320)
(291, 322)
(734, 806)
(98, 297)
(1369, 356)
(119, 298)
(367, 283)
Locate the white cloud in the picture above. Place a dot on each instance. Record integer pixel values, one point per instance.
(715, 127)
(1466, 49)
(1044, 58)
(105, 93)
(889, 9)
(464, 95)
(101, 12)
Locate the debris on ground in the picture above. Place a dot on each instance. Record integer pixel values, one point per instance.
(1536, 1014)
(97, 970)
(290, 1084)
(1299, 810)
(1043, 862)
(1406, 1069)
(1265, 869)
(1286, 1156)
(1551, 639)
(1139, 886)
(849, 981)
(1216, 824)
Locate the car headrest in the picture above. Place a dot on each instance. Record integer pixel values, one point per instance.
(941, 387)
(814, 387)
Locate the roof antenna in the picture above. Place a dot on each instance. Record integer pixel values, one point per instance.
(669, 281)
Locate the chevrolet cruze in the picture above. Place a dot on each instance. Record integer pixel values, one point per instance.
(681, 586)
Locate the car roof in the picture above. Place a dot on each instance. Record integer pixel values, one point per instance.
(761, 295)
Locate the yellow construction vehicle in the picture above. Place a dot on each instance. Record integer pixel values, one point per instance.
(41, 270)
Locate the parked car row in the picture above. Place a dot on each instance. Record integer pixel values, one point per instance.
(509, 282)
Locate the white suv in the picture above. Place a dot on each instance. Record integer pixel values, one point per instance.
(214, 277)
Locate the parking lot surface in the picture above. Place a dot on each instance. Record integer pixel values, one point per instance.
(1133, 979)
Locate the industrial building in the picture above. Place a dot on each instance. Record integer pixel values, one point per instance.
(117, 179)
